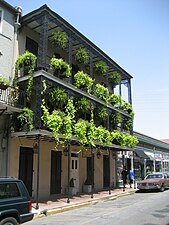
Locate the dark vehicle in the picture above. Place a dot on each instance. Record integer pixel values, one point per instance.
(15, 203)
(154, 181)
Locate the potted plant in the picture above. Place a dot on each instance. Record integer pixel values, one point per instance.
(26, 119)
(100, 67)
(101, 114)
(116, 100)
(60, 39)
(4, 83)
(27, 63)
(57, 98)
(114, 78)
(82, 56)
(83, 105)
(60, 65)
(82, 80)
(102, 93)
(115, 119)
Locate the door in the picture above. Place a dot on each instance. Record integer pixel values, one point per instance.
(90, 171)
(55, 182)
(26, 167)
(74, 171)
(106, 171)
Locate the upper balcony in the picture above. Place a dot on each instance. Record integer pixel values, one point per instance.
(40, 28)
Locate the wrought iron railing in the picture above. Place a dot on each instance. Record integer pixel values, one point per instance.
(12, 97)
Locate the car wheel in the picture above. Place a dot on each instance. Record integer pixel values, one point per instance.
(162, 188)
(9, 221)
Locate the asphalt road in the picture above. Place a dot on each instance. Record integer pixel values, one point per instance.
(138, 209)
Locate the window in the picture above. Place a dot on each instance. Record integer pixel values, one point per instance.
(9, 190)
(1, 19)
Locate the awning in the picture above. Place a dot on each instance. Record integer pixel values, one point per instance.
(141, 154)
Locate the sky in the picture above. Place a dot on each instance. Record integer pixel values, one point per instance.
(135, 34)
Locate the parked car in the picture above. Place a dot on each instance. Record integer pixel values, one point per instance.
(15, 202)
(154, 181)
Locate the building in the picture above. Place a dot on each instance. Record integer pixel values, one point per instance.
(67, 131)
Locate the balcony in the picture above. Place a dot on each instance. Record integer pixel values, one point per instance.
(9, 102)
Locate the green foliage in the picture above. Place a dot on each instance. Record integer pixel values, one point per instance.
(117, 137)
(130, 141)
(102, 93)
(126, 106)
(26, 119)
(52, 121)
(100, 68)
(115, 119)
(82, 56)
(128, 124)
(83, 105)
(4, 81)
(26, 61)
(60, 39)
(101, 113)
(83, 80)
(102, 135)
(57, 98)
(114, 78)
(60, 64)
(80, 130)
(116, 100)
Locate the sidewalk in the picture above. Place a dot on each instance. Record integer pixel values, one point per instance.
(60, 204)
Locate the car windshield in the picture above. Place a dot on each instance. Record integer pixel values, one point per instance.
(154, 176)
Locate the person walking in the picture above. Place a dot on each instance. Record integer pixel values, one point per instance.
(124, 176)
(131, 177)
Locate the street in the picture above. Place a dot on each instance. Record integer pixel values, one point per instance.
(138, 209)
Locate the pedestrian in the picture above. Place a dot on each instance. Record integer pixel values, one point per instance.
(124, 176)
(131, 177)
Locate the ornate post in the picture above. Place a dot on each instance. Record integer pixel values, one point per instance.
(69, 158)
(43, 43)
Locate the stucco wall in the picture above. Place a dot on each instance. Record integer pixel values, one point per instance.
(45, 166)
(7, 37)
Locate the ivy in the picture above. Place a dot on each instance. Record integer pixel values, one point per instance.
(26, 119)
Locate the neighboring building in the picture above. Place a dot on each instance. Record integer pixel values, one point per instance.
(8, 43)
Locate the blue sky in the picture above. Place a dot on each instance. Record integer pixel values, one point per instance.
(135, 34)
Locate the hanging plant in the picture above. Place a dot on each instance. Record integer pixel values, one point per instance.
(4, 83)
(27, 62)
(101, 113)
(82, 80)
(60, 39)
(117, 138)
(61, 65)
(82, 56)
(130, 141)
(115, 120)
(114, 78)
(100, 68)
(128, 124)
(26, 119)
(102, 135)
(68, 123)
(126, 106)
(116, 100)
(57, 98)
(52, 121)
(102, 93)
(80, 130)
(83, 105)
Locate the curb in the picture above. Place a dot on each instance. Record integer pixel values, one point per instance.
(79, 205)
